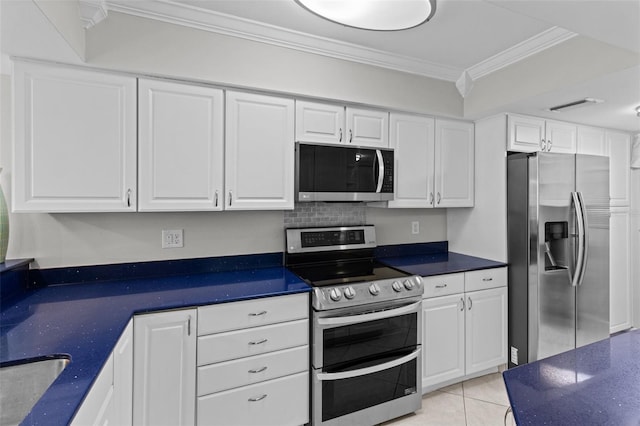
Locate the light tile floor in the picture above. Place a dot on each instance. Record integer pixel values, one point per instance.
(481, 401)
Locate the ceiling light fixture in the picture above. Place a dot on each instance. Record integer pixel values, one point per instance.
(638, 110)
(575, 104)
(380, 15)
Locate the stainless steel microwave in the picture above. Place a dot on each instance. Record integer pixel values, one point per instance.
(343, 173)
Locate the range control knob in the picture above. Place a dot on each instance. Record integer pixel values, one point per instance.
(335, 294)
(397, 286)
(349, 293)
(408, 284)
(374, 289)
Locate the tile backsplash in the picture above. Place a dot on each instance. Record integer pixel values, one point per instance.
(325, 214)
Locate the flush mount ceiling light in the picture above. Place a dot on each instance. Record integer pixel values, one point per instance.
(576, 104)
(380, 15)
(638, 111)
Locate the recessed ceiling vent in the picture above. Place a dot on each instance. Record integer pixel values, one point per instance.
(575, 104)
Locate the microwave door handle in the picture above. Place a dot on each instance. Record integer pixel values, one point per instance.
(370, 370)
(380, 170)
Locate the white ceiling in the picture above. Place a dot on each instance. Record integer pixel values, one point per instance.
(465, 41)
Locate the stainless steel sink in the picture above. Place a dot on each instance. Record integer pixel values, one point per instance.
(22, 385)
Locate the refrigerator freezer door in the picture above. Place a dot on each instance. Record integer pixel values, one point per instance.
(592, 299)
(552, 298)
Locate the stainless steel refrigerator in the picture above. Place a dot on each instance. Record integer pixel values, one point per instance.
(558, 248)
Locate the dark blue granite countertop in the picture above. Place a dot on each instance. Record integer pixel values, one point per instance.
(85, 321)
(439, 263)
(597, 384)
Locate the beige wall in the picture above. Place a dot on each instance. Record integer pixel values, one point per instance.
(140, 46)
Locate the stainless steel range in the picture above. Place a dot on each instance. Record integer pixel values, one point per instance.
(366, 332)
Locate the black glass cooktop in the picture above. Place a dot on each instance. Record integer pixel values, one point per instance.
(345, 272)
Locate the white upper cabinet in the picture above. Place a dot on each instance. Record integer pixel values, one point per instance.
(560, 137)
(434, 162)
(412, 138)
(620, 167)
(180, 146)
(454, 164)
(531, 134)
(591, 141)
(75, 146)
(259, 152)
(335, 124)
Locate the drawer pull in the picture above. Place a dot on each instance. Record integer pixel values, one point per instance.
(487, 279)
(441, 286)
(257, 314)
(258, 370)
(258, 342)
(258, 398)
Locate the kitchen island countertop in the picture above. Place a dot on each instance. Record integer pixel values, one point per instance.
(596, 384)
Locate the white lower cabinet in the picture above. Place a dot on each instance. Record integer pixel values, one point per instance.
(109, 401)
(464, 325)
(164, 381)
(620, 298)
(253, 362)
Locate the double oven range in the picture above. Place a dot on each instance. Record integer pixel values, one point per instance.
(366, 327)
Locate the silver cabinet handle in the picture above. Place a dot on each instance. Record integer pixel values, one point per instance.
(487, 279)
(350, 135)
(257, 370)
(257, 314)
(470, 303)
(216, 199)
(439, 198)
(230, 197)
(258, 398)
(431, 198)
(441, 286)
(129, 197)
(543, 145)
(462, 303)
(189, 326)
(549, 143)
(340, 140)
(258, 342)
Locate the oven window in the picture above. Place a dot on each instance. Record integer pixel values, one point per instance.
(348, 345)
(344, 396)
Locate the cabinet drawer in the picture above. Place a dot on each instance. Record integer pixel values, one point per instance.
(253, 341)
(283, 401)
(252, 313)
(442, 285)
(485, 278)
(255, 369)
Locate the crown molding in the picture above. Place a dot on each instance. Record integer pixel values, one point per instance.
(520, 51)
(202, 19)
(92, 12)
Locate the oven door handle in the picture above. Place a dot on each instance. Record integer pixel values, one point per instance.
(355, 319)
(370, 370)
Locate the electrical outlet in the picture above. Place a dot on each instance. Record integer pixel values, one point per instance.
(172, 238)
(415, 227)
(514, 355)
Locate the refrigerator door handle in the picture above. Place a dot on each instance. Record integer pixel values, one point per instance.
(581, 222)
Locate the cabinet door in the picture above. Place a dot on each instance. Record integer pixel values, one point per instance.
(318, 122)
(181, 159)
(123, 379)
(75, 147)
(454, 164)
(259, 152)
(164, 383)
(525, 133)
(486, 329)
(560, 137)
(367, 127)
(619, 271)
(591, 141)
(443, 339)
(97, 407)
(412, 138)
(620, 169)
